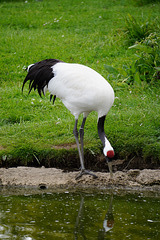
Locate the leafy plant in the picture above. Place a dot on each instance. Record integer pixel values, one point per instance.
(136, 30)
(139, 30)
(147, 65)
(144, 2)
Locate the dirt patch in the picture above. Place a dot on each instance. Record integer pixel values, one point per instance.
(66, 146)
(55, 178)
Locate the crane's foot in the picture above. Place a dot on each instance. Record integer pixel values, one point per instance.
(85, 172)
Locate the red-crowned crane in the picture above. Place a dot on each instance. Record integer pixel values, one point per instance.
(82, 90)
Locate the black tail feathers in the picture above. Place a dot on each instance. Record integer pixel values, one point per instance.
(39, 75)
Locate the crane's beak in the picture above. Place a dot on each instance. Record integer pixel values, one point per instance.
(110, 167)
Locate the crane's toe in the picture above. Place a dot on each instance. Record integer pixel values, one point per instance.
(85, 172)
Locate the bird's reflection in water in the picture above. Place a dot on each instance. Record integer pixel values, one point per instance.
(107, 223)
(79, 226)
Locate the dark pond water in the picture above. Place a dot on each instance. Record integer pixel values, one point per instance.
(67, 215)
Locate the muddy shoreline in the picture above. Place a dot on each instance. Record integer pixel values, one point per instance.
(52, 178)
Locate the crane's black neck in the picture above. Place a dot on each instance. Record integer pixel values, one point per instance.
(101, 132)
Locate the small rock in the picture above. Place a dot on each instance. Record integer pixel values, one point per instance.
(149, 177)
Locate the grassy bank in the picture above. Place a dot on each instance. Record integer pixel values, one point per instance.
(90, 32)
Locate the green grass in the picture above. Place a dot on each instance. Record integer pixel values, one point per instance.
(90, 32)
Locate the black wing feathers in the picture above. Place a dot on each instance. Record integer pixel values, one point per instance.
(39, 75)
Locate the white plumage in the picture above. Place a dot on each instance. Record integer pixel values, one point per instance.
(81, 89)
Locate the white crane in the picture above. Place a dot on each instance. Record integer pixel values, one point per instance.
(82, 90)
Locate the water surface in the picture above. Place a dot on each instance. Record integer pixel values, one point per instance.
(67, 215)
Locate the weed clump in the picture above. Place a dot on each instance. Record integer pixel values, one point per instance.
(145, 66)
(137, 30)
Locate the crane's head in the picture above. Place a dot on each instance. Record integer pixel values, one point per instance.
(109, 154)
(108, 149)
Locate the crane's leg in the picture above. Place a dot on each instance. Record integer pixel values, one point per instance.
(80, 150)
(81, 132)
(75, 132)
